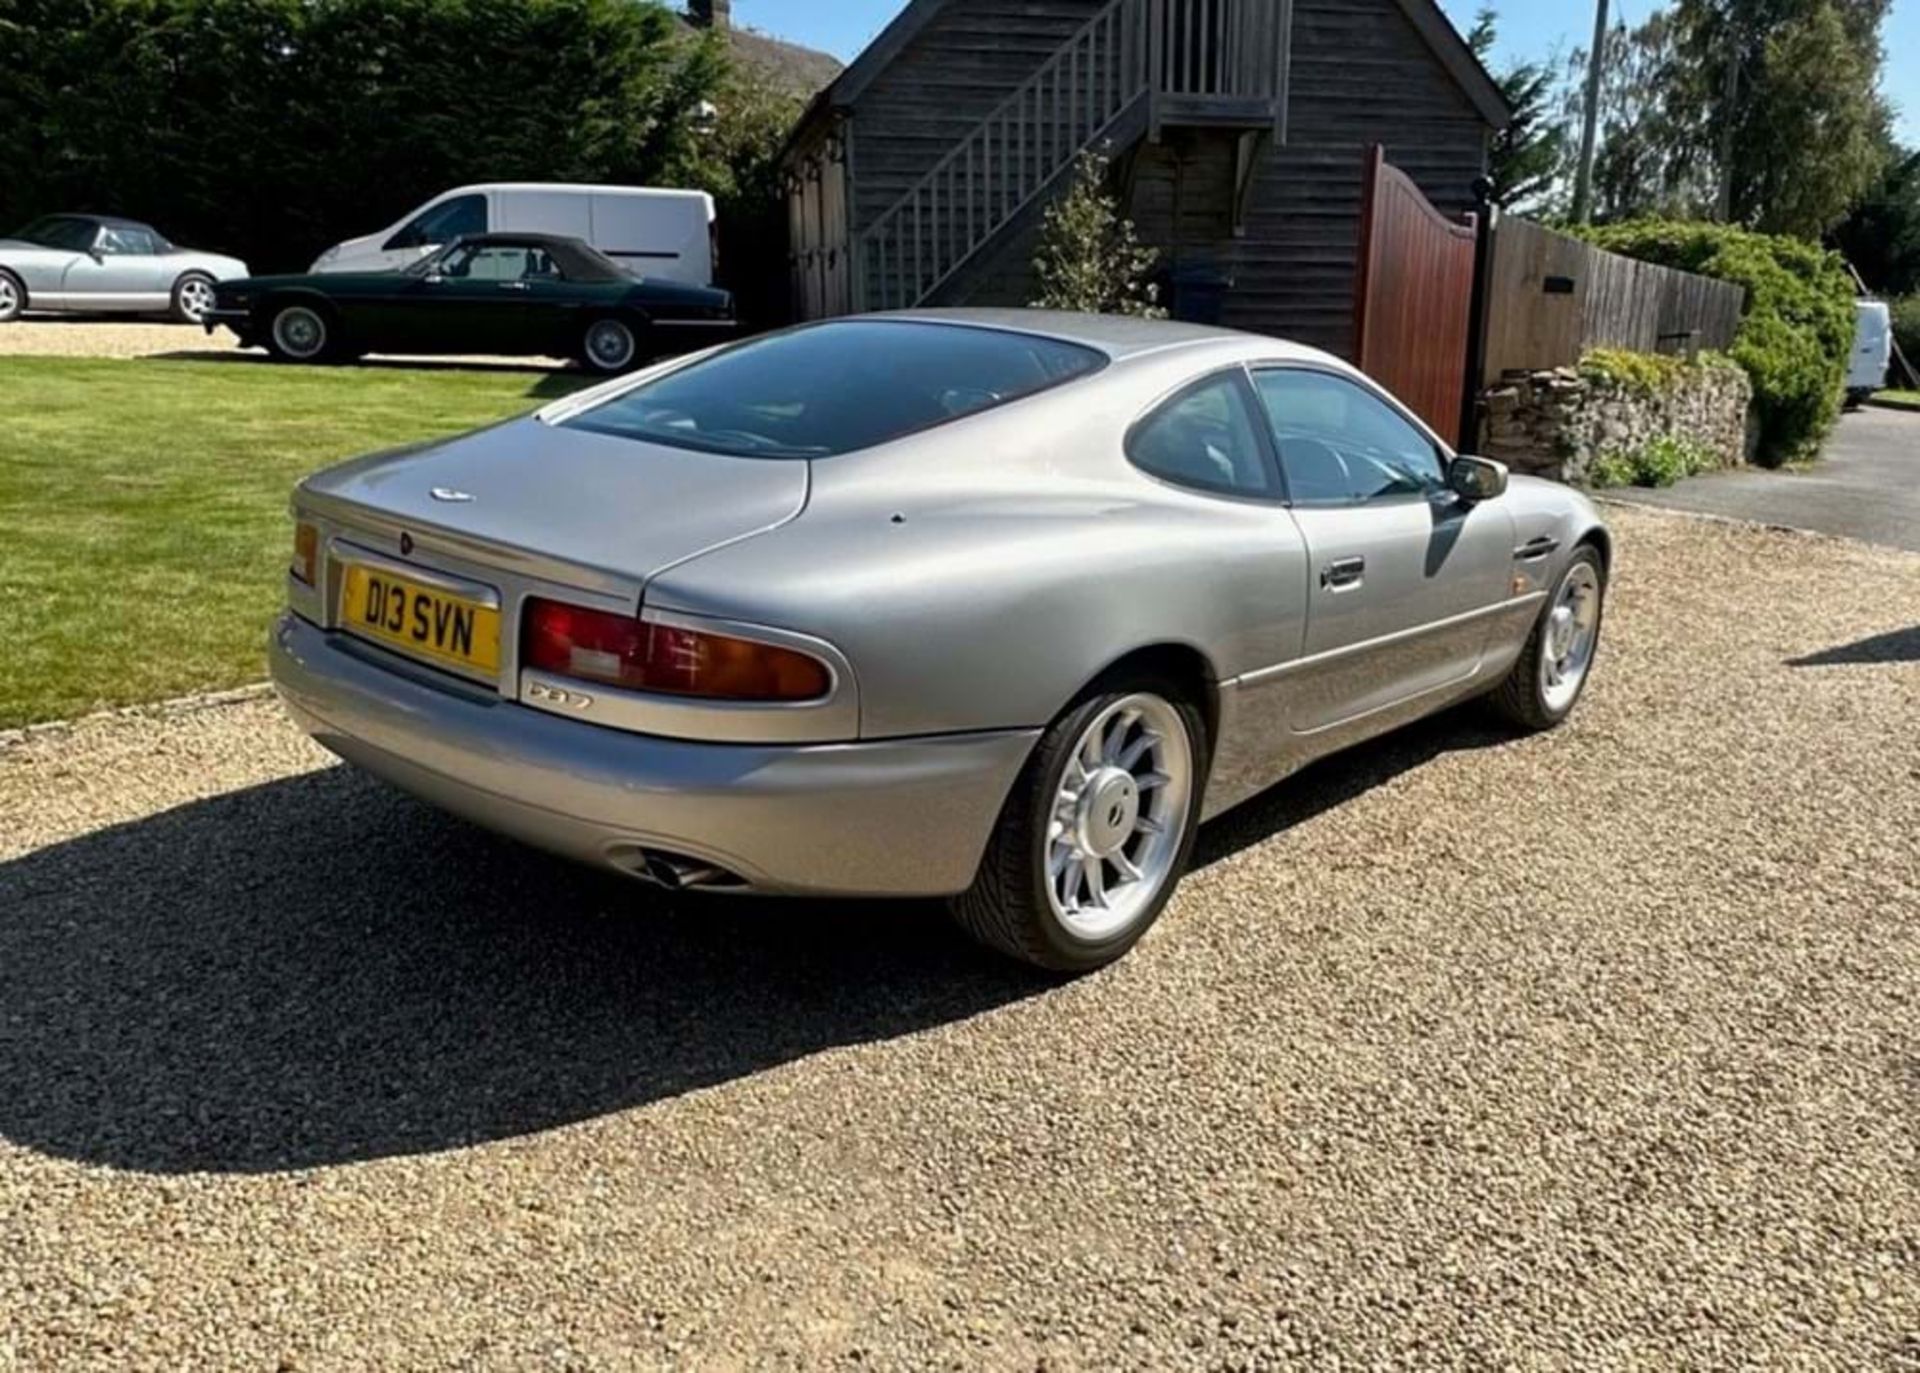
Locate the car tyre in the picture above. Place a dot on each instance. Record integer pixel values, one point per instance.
(609, 346)
(299, 332)
(1076, 811)
(1551, 675)
(192, 298)
(13, 297)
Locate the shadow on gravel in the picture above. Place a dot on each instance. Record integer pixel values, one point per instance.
(1900, 646)
(321, 971)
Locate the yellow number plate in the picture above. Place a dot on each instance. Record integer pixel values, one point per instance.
(450, 630)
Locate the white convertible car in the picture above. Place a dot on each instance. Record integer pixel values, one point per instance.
(98, 264)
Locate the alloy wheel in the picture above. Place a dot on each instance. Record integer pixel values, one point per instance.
(610, 345)
(1118, 817)
(196, 298)
(300, 332)
(1572, 630)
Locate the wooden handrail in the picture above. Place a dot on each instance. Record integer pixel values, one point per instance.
(1131, 50)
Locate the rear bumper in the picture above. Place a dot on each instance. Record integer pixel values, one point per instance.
(907, 817)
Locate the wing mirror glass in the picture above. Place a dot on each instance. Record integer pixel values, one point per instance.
(1477, 479)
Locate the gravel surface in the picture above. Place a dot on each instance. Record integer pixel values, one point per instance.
(115, 338)
(1599, 1049)
(139, 338)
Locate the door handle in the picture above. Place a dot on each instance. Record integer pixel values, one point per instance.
(514, 285)
(1342, 573)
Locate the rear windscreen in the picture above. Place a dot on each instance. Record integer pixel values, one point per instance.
(833, 388)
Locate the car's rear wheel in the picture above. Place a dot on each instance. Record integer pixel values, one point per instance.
(609, 345)
(1551, 674)
(299, 333)
(13, 297)
(192, 297)
(1096, 834)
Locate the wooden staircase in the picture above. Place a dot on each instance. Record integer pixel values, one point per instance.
(1136, 68)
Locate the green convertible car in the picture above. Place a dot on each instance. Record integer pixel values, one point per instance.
(514, 294)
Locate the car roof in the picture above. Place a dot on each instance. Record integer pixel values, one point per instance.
(107, 221)
(1118, 336)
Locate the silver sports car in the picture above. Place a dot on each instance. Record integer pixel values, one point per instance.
(100, 264)
(988, 605)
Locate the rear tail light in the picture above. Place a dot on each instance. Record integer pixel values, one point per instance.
(306, 553)
(621, 651)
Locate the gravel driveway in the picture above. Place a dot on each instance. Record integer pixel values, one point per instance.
(1600, 1049)
(80, 337)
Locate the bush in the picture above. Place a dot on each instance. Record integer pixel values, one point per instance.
(1662, 462)
(1906, 327)
(1089, 258)
(1797, 334)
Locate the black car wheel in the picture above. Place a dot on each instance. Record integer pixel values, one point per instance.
(609, 346)
(13, 297)
(298, 333)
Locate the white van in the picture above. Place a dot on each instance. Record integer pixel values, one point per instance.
(1872, 350)
(656, 233)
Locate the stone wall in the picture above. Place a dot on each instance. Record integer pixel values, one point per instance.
(1555, 424)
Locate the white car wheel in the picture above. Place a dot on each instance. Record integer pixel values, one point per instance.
(192, 298)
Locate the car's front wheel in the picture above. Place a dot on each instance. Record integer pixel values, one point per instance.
(1546, 683)
(192, 298)
(1096, 834)
(298, 333)
(13, 297)
(609, 346)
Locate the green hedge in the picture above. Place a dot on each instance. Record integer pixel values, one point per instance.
(1798, 331)
(1906, 327)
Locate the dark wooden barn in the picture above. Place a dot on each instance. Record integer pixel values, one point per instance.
(1239, 132)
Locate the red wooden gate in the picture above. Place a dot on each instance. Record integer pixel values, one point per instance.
(1414, 297)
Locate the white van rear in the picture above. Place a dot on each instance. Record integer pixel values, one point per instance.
(1872, 349)
(657, 233)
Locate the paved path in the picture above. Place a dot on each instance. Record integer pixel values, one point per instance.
(1594, 1050)
(1867, 487)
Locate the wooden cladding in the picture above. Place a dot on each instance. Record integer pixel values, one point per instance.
(1414, 298)
(1550, 298)
(1133, 66)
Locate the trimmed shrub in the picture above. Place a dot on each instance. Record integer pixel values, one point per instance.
(1797, 335)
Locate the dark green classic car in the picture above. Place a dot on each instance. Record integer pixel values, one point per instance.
(514, 294)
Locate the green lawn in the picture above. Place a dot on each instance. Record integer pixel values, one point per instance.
(143, 525)
(1906, 400)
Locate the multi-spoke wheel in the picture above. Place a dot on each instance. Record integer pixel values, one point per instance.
(609, 346)
(1094, 838)
(192, 297)
(13, 297)
(1552, 671)
(298, 333)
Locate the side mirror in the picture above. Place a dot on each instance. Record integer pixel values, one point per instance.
(1477, 479)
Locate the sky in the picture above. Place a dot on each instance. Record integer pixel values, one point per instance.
(1528, 28)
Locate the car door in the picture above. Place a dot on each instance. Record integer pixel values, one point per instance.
(122, 271)
(1404, 576)
(478, 298)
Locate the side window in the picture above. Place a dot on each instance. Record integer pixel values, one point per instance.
(1204, 438)
(1339, 443)
(498, 262)
(451, 219)
(118, 242)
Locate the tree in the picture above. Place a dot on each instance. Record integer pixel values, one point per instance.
(1645, 167)
(1089, 257)
(271, 128)
(1528, 156)
(1779, 99)
(1881, 238)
